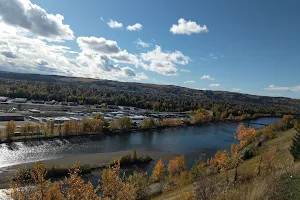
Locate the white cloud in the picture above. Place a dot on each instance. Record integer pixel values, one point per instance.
(189, 82)
(142, 43)
(187, 27)
(185, 70)
(98, 45)
(141, 76)
(36, 20)
(208, 77)
(275, 88)
(163, 62)
(102, 19)
(213, 56)
(236, 89)
(214, 85)
(135, 27)
(99, 58)
(114, 24)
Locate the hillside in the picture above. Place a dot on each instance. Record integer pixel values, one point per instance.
(279, 179)
(151, 96)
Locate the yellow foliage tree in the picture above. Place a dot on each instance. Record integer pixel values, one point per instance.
(244, 135)
(9, 130)
(158, 172)
(77, 189)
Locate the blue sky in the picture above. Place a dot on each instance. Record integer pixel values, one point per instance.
(243, 46)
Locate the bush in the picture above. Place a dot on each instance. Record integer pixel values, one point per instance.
(250, 152)
(127, 160)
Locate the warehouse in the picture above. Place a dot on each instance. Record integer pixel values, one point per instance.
(11, 116)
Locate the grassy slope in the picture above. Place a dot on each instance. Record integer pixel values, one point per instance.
(259, 187)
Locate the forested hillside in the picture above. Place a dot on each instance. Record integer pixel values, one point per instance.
(151, 96)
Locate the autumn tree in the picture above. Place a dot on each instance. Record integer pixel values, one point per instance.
(65, 129)
(133, 155)
(76, 188)
(140, 182)
(59, 129)
(9, 130)
(244, 135)
(49, 128)
(125, 123)
(295, 146)
(231, 117)
(172, 167)
(223, 161)
(158, 172)
(114, 188)
(202, 116)
(223, 115)
(148, 123)
(41, 184)
(286, 122)
(235, 159)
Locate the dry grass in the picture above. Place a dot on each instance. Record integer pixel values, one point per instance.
(251, 186)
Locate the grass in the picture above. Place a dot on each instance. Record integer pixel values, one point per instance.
(126, 160)
(281, 182)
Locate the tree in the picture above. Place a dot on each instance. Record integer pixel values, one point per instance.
(295, 146)
(140, 182)
(202, 116)
(49, 128)
(244, 135)
(38, 177)
(236, 159)
(158, 172)
(223, 115)
(65, 129)
(114, 188)
(125, 123)
(133, 155)
(172, 167)
(9, 130)
(222, 161)
(148, 123)
(77, 189)
(231, 117)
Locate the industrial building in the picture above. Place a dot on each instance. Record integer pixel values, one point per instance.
(11, 116)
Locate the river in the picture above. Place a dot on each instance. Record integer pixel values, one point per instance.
(189, 141)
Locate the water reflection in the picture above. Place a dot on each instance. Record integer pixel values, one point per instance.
(189, 141)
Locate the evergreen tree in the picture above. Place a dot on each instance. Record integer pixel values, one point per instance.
(295, 147)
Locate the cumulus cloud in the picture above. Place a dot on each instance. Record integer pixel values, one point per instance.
(142, 43)
(275, 88)
(98, 45)
(114, 24)
(208, 77)
(236, 89)
(135, 27)
(163, 62)
(185, 70)
(187, 27)
(31, 17)
(103, 59)
(189, 82)
(214, 85)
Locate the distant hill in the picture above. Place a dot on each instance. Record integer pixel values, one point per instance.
(152, 96)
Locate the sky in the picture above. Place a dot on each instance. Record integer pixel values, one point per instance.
(240, 46)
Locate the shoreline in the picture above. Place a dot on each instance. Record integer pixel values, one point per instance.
(96, 159)
(109, 132)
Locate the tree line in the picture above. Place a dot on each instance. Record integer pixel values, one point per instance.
(147, 96)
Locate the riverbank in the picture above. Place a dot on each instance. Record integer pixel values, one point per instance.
(95, 160)
(107, 131)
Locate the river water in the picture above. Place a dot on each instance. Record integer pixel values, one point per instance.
(189, 141)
